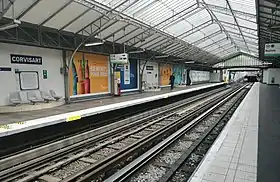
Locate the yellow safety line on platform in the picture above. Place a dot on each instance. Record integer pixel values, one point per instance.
(73, 118)
(20, 122)
(5, 126)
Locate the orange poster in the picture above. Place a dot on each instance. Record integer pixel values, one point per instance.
(89, 74)
(165, 73)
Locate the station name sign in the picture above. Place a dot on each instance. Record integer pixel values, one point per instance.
(272, 49)
(25, 59)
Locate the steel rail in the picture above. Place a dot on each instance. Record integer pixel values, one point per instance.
(174, 168)
(55, 150)
(131, 168)
(117, 159)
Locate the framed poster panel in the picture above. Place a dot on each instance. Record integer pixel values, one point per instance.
(29, 80)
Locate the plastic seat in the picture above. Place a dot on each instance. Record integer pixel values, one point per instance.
(15, 98)
(32, 97)
(46, 96)
(54, 95)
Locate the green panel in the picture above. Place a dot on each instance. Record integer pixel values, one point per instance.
(272, 55)
(45, 74)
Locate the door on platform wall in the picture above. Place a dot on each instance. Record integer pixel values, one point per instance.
(178, 71)
(165, 73)
(129, 75)
(89, 74)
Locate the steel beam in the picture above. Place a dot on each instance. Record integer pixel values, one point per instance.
(174, 48)
(216, 7)
(195, 29)
(237, 24)
(113, 33)
(169, 20)
(55, 13)
(5, 8)
(28, 9)
(184, 50)
(228, 23)
(217, 21)
(135, 1)
(102, 16)
(146, 42)
(180, 19)
(215, 42)
(179, 51)
(168, 47)
(268, 19)
(249, 42)
(207, 37)
(126, 34)
(255, 38)
(74, 19)
(239, 17)
(225, 47)
(144, 24)
(164, 46)
(157, 43)
(223, 50)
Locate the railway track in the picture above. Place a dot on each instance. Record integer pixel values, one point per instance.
(91, 154)
(175, 158)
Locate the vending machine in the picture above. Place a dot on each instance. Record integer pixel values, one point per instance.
(118, 59)
(117, 83)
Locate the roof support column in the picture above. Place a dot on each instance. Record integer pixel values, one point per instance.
(66, 77)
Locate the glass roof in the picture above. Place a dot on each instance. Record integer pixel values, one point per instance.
(207, 24)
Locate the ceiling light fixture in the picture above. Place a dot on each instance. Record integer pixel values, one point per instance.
(189, 62)
(158, 57)
(94, 43)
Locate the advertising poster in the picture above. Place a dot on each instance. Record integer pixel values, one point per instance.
(150, 73)
(165, 73)
(89, 74)
(199, 76)
(178, 71)
(126, 74)
(129, 75)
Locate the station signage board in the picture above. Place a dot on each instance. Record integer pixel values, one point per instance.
(5, 69)
(119, 58)
(272, 49)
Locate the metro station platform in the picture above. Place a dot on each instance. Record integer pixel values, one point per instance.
(248, 148)
(233, 156)
(13, 123)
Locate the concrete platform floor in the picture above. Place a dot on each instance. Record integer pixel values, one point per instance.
(7, 118)
(233, 156)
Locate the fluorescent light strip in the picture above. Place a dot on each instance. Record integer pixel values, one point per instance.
(94, 44)
(162, 56)
(266, 63)
(189, 62)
